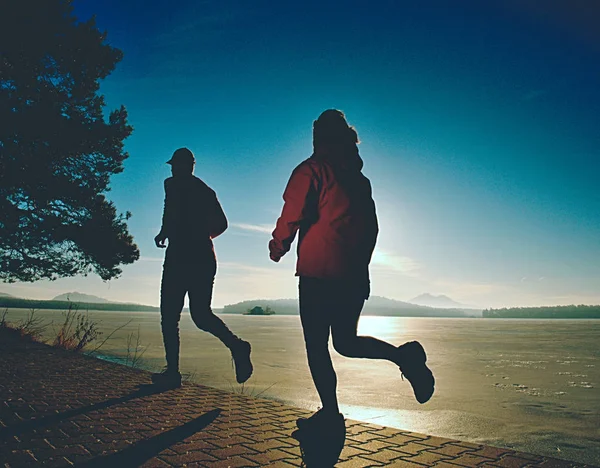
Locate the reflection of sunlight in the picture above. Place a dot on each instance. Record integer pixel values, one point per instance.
(382, 326)
(415, 421)
(372, 326)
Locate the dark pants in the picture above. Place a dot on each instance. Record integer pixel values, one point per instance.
(190, 273)
(334, 307)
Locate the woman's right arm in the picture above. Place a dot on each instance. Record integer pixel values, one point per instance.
(295, 195)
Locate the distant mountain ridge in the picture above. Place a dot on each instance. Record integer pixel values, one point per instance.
(376, 305)
(441, 301)
(81, 297)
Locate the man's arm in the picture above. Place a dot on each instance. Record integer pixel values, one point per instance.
(218, 223)
(162, 236)
(294, 196)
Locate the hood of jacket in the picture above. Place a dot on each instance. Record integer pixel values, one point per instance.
(344, 157)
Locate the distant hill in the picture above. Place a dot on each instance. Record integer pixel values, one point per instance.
(442, 301)
(5, 295)
(548, 312)
(17, 302)
(80, 297)
(376, 305)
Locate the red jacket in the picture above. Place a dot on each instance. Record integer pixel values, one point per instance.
(329, 201)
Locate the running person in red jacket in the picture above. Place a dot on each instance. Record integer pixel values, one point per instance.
(328, 200)
(192, 217)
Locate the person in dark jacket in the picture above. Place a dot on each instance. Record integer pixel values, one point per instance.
(328, 201)
(192, 217)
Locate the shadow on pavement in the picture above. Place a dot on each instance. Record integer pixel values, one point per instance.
(32, 424)
(142, 451)
(321, 448)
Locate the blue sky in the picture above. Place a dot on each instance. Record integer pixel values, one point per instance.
(478, 123)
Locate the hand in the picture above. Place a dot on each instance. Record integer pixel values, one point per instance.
(274, 252)
(159, 240)
(274, 257)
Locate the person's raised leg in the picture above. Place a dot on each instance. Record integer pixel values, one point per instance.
(344, 331)
(409, 357)
(200, 295)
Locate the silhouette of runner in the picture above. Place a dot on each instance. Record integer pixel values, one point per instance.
(192, 217)
(328, 200)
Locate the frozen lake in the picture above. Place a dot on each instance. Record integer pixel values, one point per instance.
(531, 385)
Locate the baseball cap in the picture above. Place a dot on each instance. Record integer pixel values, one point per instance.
(182, 155)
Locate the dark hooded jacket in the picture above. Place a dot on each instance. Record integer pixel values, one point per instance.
(192, 216)
(328, 200)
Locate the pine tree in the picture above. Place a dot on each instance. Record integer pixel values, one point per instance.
(57, 150)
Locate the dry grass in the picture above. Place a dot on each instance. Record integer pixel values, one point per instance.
(135, 350)
(76, 332)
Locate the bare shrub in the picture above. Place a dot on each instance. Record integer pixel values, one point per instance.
(3, 323)
(32, 327)
(135, 350)
(77, 331)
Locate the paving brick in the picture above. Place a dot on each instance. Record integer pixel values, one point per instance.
(155, 463)
(401, 439)
(269, 456)
(469, 460)
(413, 448)
(189, 457)
(384, 456)
(349, 451)
(362, 437)
(358, 462)
(269, 445)
(406, 464)
(426, 458)
(372, 446)
(444, 464)
(435, 441)
(233, 462)
(279, 464)
(452, 450)
(231, 451)
(512, 462)
(491, 452)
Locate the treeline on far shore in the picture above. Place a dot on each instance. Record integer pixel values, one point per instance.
(18, 303)
(564, 312)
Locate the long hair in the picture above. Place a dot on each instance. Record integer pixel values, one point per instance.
(331, 130)
(335, 141)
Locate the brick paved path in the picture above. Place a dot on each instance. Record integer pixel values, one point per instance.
(60, 408)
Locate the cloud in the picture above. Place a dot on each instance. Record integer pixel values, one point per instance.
(263, 228)
(151, 259)
(201, 23)
(385, 260)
